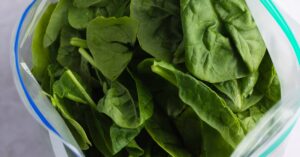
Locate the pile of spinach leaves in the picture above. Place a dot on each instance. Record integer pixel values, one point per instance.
(145, 78)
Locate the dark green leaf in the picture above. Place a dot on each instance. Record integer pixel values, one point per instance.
(67, 55)
(76, 129)
(108, 138)
(209, 53)
(134, 149)
(88, 3)
(160, 27)
(207, 104)
(126, 111)
(213, 144)
(189, 126)
(162, 132)
(118, 8)
(110, 41)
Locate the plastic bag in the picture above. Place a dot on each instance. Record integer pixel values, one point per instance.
(279, 26)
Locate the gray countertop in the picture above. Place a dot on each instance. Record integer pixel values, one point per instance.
(20, 134)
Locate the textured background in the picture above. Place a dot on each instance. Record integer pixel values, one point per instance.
(20, 134)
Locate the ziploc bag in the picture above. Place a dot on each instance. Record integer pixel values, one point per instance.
(279, 28)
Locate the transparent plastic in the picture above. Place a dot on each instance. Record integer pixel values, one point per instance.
(267, 138)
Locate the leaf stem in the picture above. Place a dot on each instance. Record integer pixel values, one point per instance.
(87, 56)
(165, 74)
(77, 42)
(82, 90)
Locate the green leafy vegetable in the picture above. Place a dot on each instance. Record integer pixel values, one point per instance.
(108, 138)
(111, 39)
(189, 126)
(70, 86)
(154, 78)
(76, 128)
(213, 145)
(125, 110)
(67, 55)
(209, 53)
(210, 107)
(134, 149)
(57, 20)
(79, 18)
(87, 3)
(161, 130)
(160, 28)
(41, 58)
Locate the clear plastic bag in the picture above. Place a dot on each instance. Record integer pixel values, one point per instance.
(278, 26)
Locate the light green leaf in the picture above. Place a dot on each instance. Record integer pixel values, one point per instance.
(80, 17)
(70, 86)
(40, 54)
(57, 20)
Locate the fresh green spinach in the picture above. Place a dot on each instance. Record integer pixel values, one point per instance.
(110, 41)
(154, 78)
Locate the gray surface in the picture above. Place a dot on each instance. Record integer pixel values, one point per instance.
(20, 134)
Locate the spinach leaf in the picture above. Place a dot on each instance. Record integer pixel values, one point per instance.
(208, 53)
(207, 104)
(80, 17)
(162, 132)
(243, 93)
(76, 129)
(125, 110)
(243, 31)
(267, 75)
(107, 137)
(87, 3)
(160, 26)
(57, 20)
(208, 84)
(118, 8)
(67, 55)
(111, 53)
(179, 55)
(189, 126)
(134, 149)
(213, 144)
(274, 91)
(168, 100)
(54, 72)
(240, 94)
(40, 54)
(250, 117)
(152, 149)
(70, 86)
